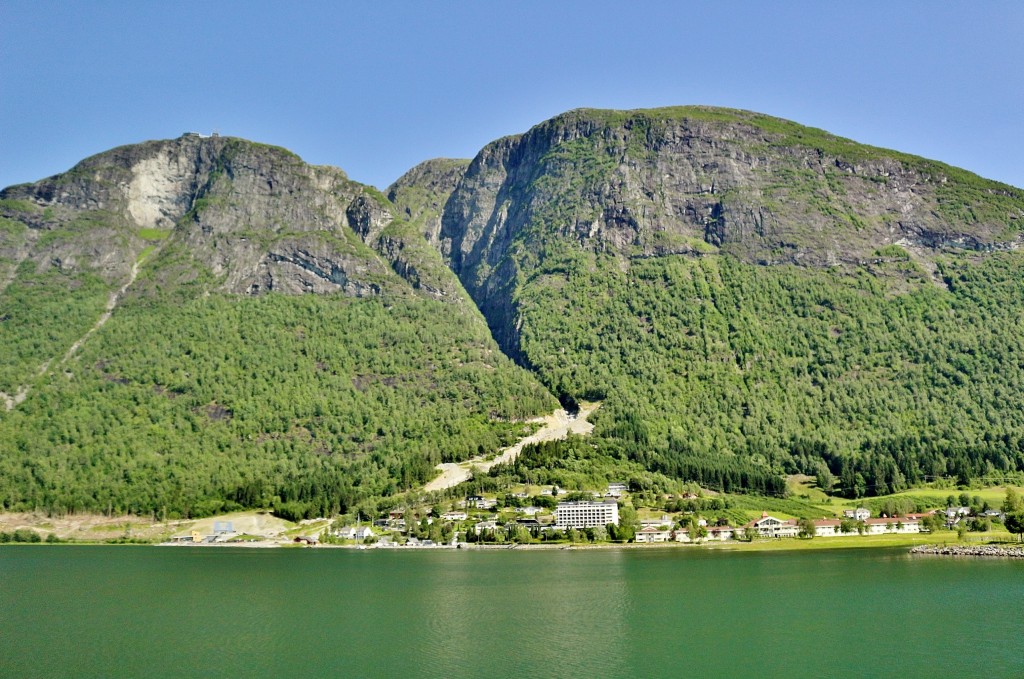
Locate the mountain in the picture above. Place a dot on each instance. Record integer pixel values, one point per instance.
(698, 181)
(203, 323)
(748, 294)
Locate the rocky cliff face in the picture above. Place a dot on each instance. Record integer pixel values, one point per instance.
(249, 218)
(246, 218)
(770, 191)
(421, 193)
(698, 181)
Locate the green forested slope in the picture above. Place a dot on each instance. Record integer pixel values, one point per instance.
(43, 314)
(709, 362)
(320, 401)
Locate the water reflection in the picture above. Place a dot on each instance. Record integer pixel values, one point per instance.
(514, 612)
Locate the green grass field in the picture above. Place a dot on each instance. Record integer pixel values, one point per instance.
(994, 495)
(154, 234)
(804, 489)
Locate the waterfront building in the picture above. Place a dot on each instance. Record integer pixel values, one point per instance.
(721, 533)
(771, 527)
(354, 533)
(892, 525)
(485, 525)
(586, 514)
(653, 535)
(714, 534)
(824, 528)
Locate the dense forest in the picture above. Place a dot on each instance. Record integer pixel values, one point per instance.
(719, 372)
(306, 404)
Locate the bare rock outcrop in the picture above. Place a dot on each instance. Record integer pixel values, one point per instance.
(242, 217)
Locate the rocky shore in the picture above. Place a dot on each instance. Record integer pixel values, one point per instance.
(970, 550)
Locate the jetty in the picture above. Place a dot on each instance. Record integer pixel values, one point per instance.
(971, 550)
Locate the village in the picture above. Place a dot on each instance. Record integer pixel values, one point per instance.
(553, 517)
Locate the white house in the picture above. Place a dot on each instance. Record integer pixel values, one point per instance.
(665, 520)
(714, 533)
(485, 525)
(771, 527)
(954, 514)
(858, 514)
(825, 528)
(892, 525)
(653, 535)
(455, 516)
(357, 533)
(720, 533)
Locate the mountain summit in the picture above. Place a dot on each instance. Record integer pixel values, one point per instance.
(253, 217)
(698, 181)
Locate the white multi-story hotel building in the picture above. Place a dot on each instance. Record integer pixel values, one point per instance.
(586, 514)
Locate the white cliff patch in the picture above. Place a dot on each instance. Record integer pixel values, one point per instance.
(155, 192)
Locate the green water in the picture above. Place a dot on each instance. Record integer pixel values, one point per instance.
(78, 611)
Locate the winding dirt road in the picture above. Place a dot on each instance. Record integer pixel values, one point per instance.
(557, 425)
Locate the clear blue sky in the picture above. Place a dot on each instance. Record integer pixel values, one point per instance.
(376, 87)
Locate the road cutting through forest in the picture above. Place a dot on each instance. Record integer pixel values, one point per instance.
(557, 425)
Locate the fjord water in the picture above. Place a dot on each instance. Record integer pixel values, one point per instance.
(77, 611)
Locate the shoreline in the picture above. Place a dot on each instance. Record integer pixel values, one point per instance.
(258, 529)
(918, 544)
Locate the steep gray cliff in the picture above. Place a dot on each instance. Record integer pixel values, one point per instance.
(421, 193)
(699, 181)
(245, 217)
